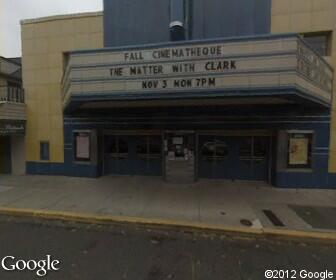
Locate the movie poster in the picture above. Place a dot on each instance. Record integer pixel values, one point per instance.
(83, 146)
(298, 151)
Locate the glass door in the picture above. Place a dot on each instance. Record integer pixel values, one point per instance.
(253, 158)
(116, 153)
(179, 157)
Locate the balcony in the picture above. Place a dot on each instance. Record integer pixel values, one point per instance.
(269, 69)
(12, 104)
(12, 94)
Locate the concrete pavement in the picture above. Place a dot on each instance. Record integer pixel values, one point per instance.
(205, 204)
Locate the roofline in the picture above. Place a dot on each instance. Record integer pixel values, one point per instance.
(61, 17)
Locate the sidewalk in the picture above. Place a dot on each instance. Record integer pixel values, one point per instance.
(207, 204)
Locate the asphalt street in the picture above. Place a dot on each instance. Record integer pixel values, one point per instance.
(124, 252)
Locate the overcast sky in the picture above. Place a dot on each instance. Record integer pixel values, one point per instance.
(12, 11)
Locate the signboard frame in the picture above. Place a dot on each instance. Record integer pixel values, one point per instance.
(11, 127)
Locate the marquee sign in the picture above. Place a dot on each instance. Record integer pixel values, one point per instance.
(149, 69)
(190, 67)
(171, 68)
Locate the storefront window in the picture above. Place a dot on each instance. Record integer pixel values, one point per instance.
(299, 150)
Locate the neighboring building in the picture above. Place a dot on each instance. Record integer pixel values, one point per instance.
(12, 117)
(189, 89)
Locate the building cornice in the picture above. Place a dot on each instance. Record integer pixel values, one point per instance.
(61, 17)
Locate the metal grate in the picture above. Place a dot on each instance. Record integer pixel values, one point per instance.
(273, 218)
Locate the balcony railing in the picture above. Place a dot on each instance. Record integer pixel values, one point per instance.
(12, 94)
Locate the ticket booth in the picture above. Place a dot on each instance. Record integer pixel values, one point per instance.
(180, 157)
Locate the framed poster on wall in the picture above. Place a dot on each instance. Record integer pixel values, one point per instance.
(299, 150)
(82, 146)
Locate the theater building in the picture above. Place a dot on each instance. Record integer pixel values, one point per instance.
(184, 90)
(12, 117)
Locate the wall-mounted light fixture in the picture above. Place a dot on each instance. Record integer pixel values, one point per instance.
(177, 20)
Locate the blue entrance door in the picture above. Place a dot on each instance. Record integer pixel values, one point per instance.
(216, 154)
(253, 156)
(118, 155)
(133, 155)
(233, 158)
(148, 155)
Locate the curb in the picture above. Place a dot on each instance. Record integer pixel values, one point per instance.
(109, 219)
(297, 234)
